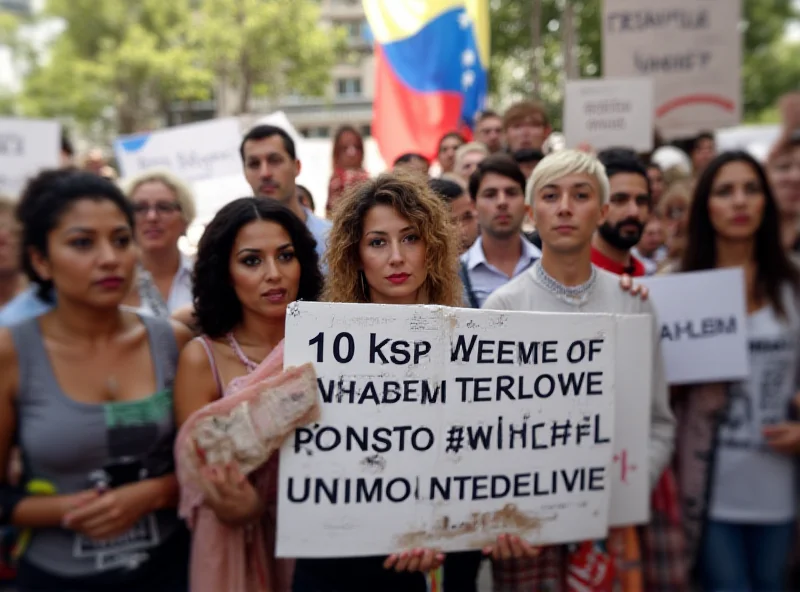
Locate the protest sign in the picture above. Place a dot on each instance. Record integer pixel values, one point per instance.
(692, 49)
(630, 472)
(609, 113)
(194, 152)
(702, 323)
(447, 427)
(27, 146)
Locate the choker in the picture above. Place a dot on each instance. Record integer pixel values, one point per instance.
(574, 295)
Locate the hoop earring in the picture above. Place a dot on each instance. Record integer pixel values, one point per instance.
(364, 285)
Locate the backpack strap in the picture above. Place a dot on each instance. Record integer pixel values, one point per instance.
(464, 273)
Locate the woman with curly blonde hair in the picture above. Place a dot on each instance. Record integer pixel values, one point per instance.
(392, 242)
(392, 224)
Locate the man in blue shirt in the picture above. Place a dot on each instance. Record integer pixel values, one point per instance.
(501, 253)
(271, 167)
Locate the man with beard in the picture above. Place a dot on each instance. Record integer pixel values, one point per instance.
(501, 252)
(629, 208)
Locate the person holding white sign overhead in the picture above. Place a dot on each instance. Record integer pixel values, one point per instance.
(391, 243)
(739, 442)
(568, 193)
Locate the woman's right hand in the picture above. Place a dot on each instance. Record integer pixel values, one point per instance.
(230, 495)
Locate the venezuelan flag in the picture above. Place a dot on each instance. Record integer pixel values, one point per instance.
(432, 58)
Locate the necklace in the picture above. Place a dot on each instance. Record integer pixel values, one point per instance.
(573, 295)
(248, 363)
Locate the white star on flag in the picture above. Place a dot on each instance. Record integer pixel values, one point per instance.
(467, 58)
(464, 20)
(467, 79)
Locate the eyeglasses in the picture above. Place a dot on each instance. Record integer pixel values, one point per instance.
(162, 208)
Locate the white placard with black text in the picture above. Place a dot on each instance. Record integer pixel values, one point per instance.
(447, 427)
(702, 320)
(613, 112)
(194, 152)
(692, 49)
(27, 146)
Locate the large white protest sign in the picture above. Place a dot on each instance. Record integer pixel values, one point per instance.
(702, 322)
(610, 112)
(630, 473)
(446, 427)
(27, 146)
(194, 152)
(692, 49)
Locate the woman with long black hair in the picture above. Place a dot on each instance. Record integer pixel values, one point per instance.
(737, 443)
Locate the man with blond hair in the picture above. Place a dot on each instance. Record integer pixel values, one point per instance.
(468, 157)
(568, 194)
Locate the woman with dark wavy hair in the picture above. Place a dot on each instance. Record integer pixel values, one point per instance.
(254, 258)
(737, 442)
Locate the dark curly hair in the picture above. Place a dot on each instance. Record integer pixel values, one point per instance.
(46, 198)
(216, 305)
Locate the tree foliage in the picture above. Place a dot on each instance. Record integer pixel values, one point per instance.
(121, 65)
(769, 67)
(118, 64)
(266, 48)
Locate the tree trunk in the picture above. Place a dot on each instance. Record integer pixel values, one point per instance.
(568, 41)
(536, 42)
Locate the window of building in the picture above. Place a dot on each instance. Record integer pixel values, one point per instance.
(348, 87)
(366, 131)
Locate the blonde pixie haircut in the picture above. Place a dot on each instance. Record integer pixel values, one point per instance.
(183, 195)
(411, 198)
(562, 164)
(465, 149)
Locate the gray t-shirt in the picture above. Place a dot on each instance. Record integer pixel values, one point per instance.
(526, 293)
(753, 483)
(67, 444)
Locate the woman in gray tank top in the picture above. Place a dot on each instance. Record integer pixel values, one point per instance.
(87, 391)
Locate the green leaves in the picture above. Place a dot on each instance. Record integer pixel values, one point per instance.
(770, 65)
(266, 48)
(122, 64)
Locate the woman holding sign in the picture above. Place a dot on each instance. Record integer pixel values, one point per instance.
(392, 243)
(254, 258)
(738, 443)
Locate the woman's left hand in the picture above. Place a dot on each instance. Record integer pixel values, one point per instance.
(114, 512)
(627, 284)
(783, 437)
(423, 560)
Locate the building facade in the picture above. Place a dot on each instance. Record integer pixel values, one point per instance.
(349, 96)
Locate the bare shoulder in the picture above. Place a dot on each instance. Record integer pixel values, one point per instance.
(183, 335)
(194, 357)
